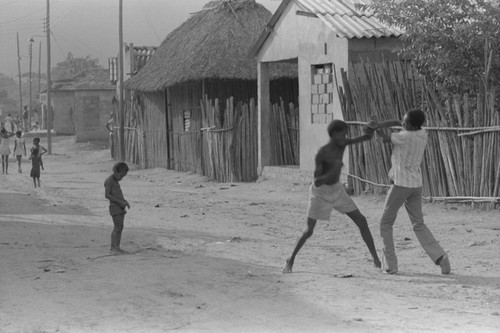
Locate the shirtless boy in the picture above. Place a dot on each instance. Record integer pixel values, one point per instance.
(328, 193)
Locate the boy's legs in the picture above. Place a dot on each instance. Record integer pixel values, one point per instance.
(116, 234)
(362, 224)
(34, 181)
(311, 223)
(3, 164)
(413, 206)
(394, 200)
(18, 157)
(6, 163)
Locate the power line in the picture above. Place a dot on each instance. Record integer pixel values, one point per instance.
(148, 20)
(22, 17)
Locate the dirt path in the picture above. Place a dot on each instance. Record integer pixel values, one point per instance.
(207, 257)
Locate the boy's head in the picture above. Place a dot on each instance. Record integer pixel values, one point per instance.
(36, 140)
(120, 170)
(18, 134)
(336, 126)
(414, 119)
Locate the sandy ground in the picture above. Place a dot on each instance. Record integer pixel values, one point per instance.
(207, 257)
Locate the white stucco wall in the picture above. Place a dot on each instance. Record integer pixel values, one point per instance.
(312, 36)
(282, 43)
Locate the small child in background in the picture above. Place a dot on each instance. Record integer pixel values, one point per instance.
(117, 204)
(19, 149)
(35, 167)
(41, 150)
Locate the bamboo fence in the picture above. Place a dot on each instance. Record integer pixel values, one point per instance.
(461, 162)
(215, 137)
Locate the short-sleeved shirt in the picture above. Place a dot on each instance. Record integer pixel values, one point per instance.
(407, 154)
(115, 191)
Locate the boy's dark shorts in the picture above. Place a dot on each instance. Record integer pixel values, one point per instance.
(116, 210)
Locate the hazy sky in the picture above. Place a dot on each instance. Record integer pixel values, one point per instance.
(87, 27)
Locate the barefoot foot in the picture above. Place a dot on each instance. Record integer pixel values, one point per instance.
(288, 267)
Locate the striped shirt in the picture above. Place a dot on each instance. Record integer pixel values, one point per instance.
(407, 154)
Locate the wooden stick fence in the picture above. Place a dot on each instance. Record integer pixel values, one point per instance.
(461, 159)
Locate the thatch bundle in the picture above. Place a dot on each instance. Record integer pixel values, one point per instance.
(212, 43)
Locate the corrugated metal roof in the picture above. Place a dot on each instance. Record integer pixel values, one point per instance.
(346, 20)
(142, 54)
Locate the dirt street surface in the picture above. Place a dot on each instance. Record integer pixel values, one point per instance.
(207, 257)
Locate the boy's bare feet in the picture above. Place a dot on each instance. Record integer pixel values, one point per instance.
(117, 251)
(377, 263)
(445, 264)
(288, 266)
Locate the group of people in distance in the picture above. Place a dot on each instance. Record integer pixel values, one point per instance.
(36, 152)
(327, 192)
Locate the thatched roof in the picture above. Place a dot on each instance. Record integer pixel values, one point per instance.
(212, 43)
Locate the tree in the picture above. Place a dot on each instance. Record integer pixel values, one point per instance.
(455, 43)
(72, 67)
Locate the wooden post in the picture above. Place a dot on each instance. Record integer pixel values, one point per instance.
(20, 87)
(263, 112)
(120, 99)
(49, 99)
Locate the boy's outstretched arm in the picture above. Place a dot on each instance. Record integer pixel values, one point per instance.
(369, 131)
(388, 123)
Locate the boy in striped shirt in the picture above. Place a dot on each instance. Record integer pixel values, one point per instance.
(406, 176)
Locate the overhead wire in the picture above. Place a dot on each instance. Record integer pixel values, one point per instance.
(148, 20)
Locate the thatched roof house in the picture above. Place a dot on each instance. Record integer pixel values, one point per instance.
(202, 78)
(212, 43)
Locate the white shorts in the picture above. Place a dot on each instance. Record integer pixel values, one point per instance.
(323, 199)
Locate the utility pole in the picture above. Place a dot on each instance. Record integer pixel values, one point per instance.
(39, 65)
(20, 89)
(49, 136)
(120, 91)
(30, 40)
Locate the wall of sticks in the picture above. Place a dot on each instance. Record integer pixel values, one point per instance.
(186, 130)
(461, 162)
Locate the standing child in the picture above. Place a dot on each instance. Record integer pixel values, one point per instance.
(328, 193)
(19, 149)
(5, 149)
(117, 204)
(35, 167)
(41, 149)
(407, 154)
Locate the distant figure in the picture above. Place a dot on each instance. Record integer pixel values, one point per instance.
(19, 149)
(5, 149)
(41, 149)
(35, 127)
(35, 167)
(109, 126)
(117, 204)
(9, 123)
(327, 192)
(25, 119)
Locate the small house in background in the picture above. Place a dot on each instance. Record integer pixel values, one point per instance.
(194, 102)
(82, 104)
(321, 37)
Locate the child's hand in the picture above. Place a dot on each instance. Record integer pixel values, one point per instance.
(127, 204)
(372, 124)
(369, 130)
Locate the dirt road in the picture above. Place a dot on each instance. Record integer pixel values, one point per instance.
(207, 257)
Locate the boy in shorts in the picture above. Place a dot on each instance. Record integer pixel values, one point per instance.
(328, 193)
(117, 204)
